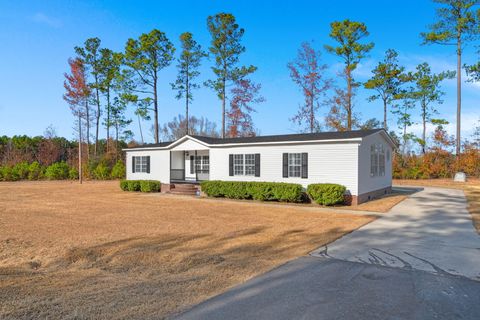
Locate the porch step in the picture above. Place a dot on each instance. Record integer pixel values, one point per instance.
(184, 189)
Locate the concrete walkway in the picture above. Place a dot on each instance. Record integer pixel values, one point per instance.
(420, 261)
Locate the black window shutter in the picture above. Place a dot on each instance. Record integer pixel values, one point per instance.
(230, 165)
(192, 160)
(133, 164)
(148, 164)
(285, 165)
(305, 165)
(257, 164)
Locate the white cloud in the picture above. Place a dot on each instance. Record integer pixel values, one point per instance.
(42, 18)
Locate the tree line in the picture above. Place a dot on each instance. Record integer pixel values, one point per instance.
(402, 93)
(102, 84)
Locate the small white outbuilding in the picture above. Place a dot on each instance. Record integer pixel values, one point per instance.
(360, 160)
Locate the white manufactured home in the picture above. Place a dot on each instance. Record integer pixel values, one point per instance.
(360, 160)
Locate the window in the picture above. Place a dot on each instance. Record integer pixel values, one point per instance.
(244, 164)
(141, 164)
(381, 161)
(202, 164)
(206, 164)
(377, 160)
(373, 161)
(238, 164)
(294, 164)
(249, 164)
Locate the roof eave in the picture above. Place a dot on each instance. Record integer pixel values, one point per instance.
(219, 145)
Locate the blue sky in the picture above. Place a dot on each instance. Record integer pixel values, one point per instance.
(38, 37)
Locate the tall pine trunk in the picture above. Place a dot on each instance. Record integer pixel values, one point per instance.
(223, 108)
(155, 105)
(349, 99)
(312, 114)
(385, 114)
(80, 148)
(97, 94)
(108, 118)
(116, 140)
(87, 114)
(140, 127)
(424, 127)
(459, 93)
(187, 92)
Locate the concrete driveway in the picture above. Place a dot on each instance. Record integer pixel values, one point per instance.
(430, 231)
(419, 261)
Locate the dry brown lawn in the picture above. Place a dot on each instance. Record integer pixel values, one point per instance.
(380, 204)
(471, 188)
(91, 251)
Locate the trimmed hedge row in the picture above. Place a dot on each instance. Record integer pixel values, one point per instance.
(264, 191)
(322, 193)
(140, 185)
(326, 194)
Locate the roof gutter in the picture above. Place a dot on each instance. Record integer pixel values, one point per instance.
(221, 145)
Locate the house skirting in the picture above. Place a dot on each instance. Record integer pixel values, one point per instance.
(364, 197)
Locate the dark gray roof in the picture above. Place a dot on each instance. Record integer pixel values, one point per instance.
(153, 145)
(277, 138)
(292, 137)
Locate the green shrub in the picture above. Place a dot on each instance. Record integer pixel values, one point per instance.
(264, 191)
(133, 185)
(6, 173)
(101, 172)
(57, 171)
(118, 170)
(326, 193)
(140, 185)
(124, 185)
(20, 171)
(149, 186)
(73, 173)
(35, 171)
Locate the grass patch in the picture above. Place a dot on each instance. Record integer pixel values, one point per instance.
(93, 251)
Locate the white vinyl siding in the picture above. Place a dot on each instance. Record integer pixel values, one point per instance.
(367, 182)
(327, 162)
(159, 165)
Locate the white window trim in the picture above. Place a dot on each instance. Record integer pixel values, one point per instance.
(241, 168)
(294, 167)
(201, 164)
(141, 164)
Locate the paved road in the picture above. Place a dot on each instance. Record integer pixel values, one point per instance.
(421, 261)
